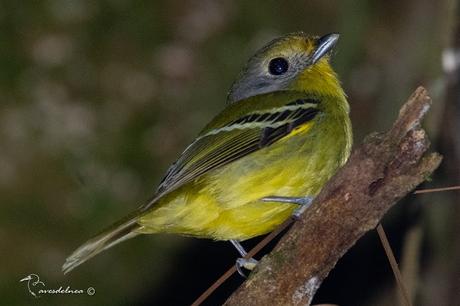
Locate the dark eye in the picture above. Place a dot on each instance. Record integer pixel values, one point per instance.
(278, 66)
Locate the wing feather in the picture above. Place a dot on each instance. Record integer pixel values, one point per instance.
(235, 139)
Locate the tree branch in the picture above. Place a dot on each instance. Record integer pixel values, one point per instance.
(379, 172)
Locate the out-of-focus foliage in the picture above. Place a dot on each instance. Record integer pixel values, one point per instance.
(98, 97)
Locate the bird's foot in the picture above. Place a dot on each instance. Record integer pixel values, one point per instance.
(245, 263)
(303, 202)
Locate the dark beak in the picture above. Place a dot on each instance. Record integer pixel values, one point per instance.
(324, 44)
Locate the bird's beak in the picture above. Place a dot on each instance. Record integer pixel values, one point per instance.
(324, 44)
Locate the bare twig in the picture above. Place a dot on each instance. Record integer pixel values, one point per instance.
(379, 173)
(394, 265)
(452, 188)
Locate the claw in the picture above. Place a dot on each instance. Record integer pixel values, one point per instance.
(248, 264)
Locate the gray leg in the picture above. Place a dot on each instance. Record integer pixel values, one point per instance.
(239, 247)
(247, 263)
(303, 202)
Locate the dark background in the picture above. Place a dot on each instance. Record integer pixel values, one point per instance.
(98, 98)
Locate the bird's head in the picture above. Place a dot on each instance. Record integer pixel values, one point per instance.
(296, 61)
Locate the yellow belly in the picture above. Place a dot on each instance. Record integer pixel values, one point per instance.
(225, 203)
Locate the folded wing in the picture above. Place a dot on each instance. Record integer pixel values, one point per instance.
(237, 138)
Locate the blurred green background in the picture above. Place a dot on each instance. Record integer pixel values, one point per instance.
(97, 98)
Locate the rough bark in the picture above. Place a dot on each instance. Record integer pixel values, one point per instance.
(379, 172)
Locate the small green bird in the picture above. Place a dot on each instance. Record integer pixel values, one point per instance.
(284, 132)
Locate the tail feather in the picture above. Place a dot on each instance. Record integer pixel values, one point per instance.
(117, 233)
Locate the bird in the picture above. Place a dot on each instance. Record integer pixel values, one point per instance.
(284, 131)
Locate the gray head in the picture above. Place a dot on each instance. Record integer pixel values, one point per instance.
(279, 63)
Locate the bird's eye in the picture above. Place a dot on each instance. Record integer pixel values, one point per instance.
(278, 66)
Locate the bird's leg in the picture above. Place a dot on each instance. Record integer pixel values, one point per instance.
(250, 263)
(303, 202)
(247, 263)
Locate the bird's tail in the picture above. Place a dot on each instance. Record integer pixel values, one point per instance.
(120, 231)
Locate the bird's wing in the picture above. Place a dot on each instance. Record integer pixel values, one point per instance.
(230, 137)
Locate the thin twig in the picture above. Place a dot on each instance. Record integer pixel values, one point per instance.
(250, 254)
(437, 189)
(394, 265)
(214, 286)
